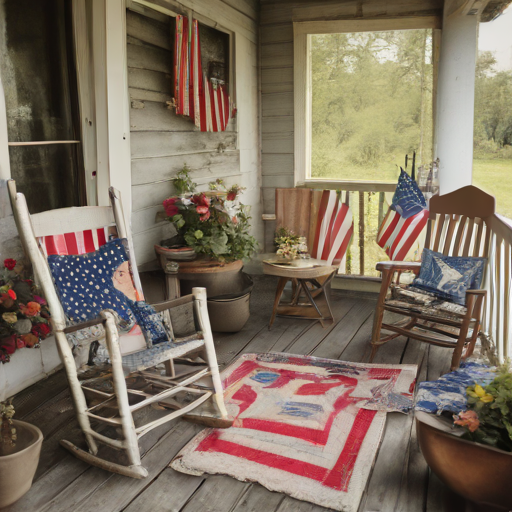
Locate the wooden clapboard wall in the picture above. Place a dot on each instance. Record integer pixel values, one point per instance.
(276, 51)
(162, 142)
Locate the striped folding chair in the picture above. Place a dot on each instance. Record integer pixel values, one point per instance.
(326, 221)
(117, 409)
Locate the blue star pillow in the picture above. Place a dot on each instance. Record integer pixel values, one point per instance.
(448, 277)
(89, 283)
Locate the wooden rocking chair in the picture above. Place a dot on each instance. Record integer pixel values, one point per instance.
(110, 408)
(458, 226)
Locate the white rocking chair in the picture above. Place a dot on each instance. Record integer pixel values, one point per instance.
(106, 406)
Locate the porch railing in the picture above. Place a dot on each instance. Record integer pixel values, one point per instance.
(498, 313)
(367, 202)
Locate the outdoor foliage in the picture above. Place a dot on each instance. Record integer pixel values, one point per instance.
(493, 109)
(372, 102)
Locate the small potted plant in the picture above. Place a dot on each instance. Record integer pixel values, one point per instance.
(20, 447)
(215, 226)
(474, 457)
(289, 245)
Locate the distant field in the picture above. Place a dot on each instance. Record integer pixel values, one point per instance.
(495, 177)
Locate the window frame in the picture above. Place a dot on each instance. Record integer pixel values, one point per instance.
(302, 32)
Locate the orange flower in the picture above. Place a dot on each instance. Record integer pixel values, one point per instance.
(467, 419)
(31, 309)
(30, 340)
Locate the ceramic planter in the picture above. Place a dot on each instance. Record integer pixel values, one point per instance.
(17, 470)
(475, 471)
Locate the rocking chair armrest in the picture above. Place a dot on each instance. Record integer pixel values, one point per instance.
(477, 292)
(169, 304)
(398, 266)
(83, 325)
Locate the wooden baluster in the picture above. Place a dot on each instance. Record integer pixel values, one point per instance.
(506, 301)
(361, 232)
(498, 336)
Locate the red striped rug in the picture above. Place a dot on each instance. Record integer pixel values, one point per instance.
(300, 426)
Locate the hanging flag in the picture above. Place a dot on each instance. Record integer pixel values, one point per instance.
(334, 229)
(206, 101)
(406, 218)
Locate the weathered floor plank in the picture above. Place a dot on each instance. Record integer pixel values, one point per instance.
(399, 481)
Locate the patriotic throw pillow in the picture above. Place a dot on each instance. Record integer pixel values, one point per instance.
(89, 283)
(448, 277)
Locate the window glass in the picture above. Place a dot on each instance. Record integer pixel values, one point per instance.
(371, 103)
(36, 65)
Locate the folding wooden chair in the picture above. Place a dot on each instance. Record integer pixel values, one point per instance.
(457, 226)
(110, 408)
(327, 223)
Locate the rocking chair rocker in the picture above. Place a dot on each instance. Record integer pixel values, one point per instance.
(109, 408)
(457, 226)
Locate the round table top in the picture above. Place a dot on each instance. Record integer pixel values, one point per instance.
(319, 269)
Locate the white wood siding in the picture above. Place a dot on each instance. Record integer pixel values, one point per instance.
(161, 142)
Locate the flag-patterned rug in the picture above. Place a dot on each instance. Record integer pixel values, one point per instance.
(300, 427)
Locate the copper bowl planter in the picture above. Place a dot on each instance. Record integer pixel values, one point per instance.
(475, 471)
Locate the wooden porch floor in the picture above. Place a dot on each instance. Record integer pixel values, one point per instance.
(400, 480)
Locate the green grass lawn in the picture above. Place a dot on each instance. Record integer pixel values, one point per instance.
(495, 177)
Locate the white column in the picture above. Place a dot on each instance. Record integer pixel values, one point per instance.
(455, 100)
(5, 165)
(118, 104)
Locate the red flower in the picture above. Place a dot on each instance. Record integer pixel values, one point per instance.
(170, 207)
(12, 294)
(9, 344)
(231, 195)
(234, 219)
(20, 343)
(9, 263)
(40, 330)
(204, 212)
(201, 200)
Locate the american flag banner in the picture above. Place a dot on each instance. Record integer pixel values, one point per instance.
(205, 101)
(405, 220)
(334, 229)
(80, 242)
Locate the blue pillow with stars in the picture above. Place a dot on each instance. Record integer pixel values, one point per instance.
(89, 283)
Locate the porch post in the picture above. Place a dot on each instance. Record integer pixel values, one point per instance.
(455, 99)
(5, 165)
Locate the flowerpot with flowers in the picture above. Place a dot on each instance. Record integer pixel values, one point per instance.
(215, 225)
(24, 316)
(474, 455)
(20, 447)
(290, 247)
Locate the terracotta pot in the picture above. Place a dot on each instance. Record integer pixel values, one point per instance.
(17, 470)
(477, 472)
(218, 278)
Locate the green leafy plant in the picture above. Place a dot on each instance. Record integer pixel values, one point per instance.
(8, 434)
(216, 225)
(182, 182)
(489, 416)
